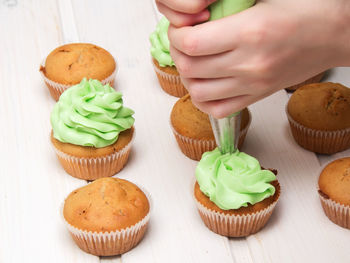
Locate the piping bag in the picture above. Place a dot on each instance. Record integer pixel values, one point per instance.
(226, 130)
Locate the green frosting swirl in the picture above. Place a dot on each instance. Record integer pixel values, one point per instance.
(90, 114)
(160, 44)
(233, 180)
(222, 8)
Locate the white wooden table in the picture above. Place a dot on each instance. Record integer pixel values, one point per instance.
(33, 184)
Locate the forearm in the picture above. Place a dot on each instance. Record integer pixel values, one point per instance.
(342, 18)
(322, 31)
(334, 18)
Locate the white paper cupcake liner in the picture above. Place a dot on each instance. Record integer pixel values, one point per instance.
(234, 225)
(93, 168)
(56, 89)
(113, 242)
(194, 148)
(337, 213)
(171, 84)
(318, 141)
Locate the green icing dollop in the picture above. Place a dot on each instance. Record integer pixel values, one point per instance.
(90, 114)
(160, 44)
(222, 8)
(233, 180)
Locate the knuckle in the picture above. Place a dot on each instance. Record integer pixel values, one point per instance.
(183, 66)
(264, 68)
(256, 33)
(190, 45)
(196, 92)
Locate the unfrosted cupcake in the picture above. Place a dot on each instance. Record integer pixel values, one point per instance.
(318, 115)
(92, 130)
(192, 129)
(334, 191)
(234, 196)
(67, 65)
(107, 217)
(314, 79)
(167, 74)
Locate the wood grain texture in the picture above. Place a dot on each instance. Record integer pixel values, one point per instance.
(34, 185)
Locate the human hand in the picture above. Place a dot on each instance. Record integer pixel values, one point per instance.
(232, 62)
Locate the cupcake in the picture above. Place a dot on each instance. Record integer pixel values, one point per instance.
(67, 65)
(234, 196)
(167, 74)
(107, 217)
(92, 130)
(192, 128)
(334, 191)
(314, 79)
(318, 115)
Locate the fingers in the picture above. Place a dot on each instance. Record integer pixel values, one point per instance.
(186, 6)
(179, 19)
(202, 90)
(206, 39)
(223, 108)
(203, 67)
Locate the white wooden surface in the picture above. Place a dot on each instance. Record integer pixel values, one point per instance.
(33, 185)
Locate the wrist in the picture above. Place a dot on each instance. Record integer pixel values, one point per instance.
(340, 39)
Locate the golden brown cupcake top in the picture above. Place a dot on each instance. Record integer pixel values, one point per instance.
(321, 106)
(69, 64)
(334, 181)
(189, 121)
(90, 152)
(107, 204)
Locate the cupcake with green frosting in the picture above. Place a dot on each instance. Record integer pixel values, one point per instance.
(164, 66)
(235, 197)
(92, 130)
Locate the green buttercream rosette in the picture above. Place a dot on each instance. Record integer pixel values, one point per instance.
(90, 114)
(233, 180)
(160, 46)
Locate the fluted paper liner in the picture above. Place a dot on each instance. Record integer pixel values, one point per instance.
(194, 148)
(170, 83)
(109, 243)
(235, 225)
(337, 213)
(314, 79)
(94, 168)
(56, 89)
(318, 141)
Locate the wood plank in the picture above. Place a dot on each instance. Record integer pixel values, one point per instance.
(33, 184)
(67, 21)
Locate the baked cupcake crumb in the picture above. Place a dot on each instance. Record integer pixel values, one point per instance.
(70, 63)
(107, 204)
